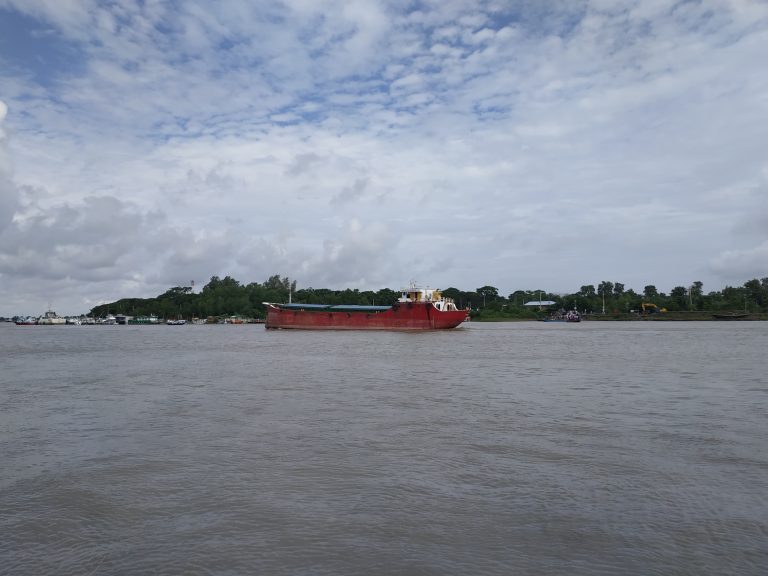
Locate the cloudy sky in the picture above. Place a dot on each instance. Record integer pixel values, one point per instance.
(363, 143)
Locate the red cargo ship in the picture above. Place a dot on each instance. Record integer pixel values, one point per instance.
(416, 309)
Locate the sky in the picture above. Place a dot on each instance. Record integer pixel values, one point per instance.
(366, 144)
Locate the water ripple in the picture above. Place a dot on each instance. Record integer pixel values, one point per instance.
(496, 449)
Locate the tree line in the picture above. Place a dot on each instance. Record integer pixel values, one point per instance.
(226, 296)
(615, 298)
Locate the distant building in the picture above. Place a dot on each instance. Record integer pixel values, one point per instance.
(540, 303)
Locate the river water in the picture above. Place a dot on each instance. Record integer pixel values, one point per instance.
(516, 448)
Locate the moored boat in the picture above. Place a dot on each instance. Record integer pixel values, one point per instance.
(416, 309)
(730, 316)
(151, 319)
(570, 316)
(51, 318)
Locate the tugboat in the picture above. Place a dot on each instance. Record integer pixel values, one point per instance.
(416, 309)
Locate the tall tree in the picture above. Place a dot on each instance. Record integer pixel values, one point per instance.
(696, 295)
(679, 297)
(277, 282)
(696, 288)
(605, 288)
(650, 292)
(487, 293)
(755, 291)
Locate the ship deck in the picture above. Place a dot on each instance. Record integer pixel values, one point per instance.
(333, 307)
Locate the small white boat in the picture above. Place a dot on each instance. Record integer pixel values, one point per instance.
(178, 322)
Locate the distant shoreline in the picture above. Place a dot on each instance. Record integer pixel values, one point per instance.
(667, 317)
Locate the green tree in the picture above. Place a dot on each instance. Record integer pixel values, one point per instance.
(696, 288)
(605, 288)
(518, 297)
(213, 283)
(385, 297)
(696, 295)
(754, 290)
(678, 297)
(487, 293)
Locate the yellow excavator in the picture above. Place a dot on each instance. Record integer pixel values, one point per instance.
(646, 309)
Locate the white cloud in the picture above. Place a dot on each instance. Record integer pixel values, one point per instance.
(736, 266)
(550, 144)
(8, 192)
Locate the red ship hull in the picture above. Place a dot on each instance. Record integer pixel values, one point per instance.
(400, 316)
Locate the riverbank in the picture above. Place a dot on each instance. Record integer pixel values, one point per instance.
(678, 316)
(682, 316)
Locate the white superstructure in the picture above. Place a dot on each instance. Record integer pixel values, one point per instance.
(433, 295)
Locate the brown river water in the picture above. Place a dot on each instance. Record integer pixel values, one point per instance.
(517, 448)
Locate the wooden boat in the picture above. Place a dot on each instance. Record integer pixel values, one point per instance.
(730, 316)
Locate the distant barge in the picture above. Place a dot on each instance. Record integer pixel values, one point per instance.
(416, 309)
